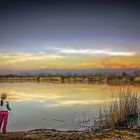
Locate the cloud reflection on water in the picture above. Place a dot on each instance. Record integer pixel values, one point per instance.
(59, 94)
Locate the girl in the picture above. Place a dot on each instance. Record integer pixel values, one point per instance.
(4, 108)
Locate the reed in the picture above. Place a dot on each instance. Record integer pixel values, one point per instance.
(120, 113)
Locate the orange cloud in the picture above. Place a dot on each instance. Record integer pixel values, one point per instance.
(122, 62)
(23, 61)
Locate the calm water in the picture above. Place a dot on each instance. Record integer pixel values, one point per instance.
(45, 105)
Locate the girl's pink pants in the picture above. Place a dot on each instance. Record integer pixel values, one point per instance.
(4, 120)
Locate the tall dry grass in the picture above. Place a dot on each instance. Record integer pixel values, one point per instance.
(120, 112)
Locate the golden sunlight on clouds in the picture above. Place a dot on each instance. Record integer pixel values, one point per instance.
(70, 59)
(122, 62)
(20, 57)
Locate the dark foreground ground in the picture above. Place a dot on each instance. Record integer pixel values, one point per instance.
(46, 134)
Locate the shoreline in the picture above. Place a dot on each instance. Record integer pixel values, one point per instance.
(89, 79)
(72, 82)
(52, 134)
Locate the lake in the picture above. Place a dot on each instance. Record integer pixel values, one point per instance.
(55, 106)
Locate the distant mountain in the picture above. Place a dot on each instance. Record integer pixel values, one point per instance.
(69, 71)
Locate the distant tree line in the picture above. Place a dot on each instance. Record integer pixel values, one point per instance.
(110, 78)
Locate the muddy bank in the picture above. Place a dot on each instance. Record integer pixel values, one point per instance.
(46, 134)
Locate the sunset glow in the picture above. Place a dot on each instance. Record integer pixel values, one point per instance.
(72, 59)
(51, 35)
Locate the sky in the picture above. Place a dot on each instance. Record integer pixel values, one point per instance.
(69, 34)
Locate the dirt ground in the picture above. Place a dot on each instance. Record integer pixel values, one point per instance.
(46, 134)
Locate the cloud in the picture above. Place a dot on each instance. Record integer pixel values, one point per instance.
(95, 52)
(121, 62)
(14, 57)
(68, 58)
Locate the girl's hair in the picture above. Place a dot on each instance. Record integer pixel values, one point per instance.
(3, 96)
(1, 102)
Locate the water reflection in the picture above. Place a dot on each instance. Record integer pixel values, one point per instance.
(43, 105)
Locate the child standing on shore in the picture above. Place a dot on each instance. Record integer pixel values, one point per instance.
(4, 112)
